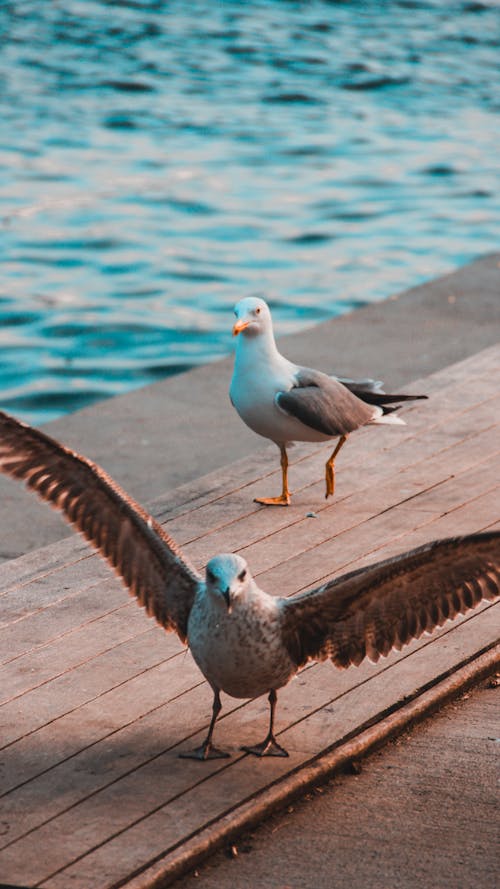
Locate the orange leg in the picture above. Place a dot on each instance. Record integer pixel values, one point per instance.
(330, 468)
(285, 497)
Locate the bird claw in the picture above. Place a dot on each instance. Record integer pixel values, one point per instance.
(282, 500)
(206, 751)
(268, 747)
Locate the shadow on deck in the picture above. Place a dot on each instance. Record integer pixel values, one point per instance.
(97, 701)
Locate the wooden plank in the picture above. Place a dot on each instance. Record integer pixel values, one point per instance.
(21, 604)
(86, 607)
(47, 581)
(353, 484)
(88, 827)
(99, 719)
(479, 514)
(360, 508)
(73, 650)
(162, 643)
(31, 708)
(312, 566)
(405, 450)
(248, 816)
(51, 587)
(99, 700)
(84, 683)
(254, 528)
(317, 558)
(148, 733)
(463, 380)
(364, 450)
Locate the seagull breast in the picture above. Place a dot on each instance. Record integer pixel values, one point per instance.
(240, 652)
(260, 375)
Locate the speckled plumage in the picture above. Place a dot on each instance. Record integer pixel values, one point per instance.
(245, 641)
(219, 639)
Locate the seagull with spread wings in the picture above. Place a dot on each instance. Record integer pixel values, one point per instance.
(285, 402)
(246, 642)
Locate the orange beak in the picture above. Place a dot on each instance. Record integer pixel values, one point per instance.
(239, 326)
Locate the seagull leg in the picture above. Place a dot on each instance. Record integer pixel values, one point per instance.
(269, 746)
(330, 468)
(285, 496)
(207, 750)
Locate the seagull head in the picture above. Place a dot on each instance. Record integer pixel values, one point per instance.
(227, 578)
(252, 316)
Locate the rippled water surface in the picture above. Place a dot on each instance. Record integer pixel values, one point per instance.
(160, 160)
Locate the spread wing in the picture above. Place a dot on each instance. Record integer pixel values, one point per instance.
(370, 611)
(324, 404)
(149, 562)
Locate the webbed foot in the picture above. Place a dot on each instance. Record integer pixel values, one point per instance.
(268, 747)
(206, 751)
(282, 500)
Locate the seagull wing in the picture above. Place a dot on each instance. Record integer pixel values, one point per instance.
(149, 562)
(364, 385)
(371, 392)
(369, 612)
(323, 403)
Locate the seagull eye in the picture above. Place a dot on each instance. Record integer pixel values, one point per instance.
(210, 576)
(242, 574)
(257, 311)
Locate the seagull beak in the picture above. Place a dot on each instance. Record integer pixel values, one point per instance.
(239, 326)
(227, 598)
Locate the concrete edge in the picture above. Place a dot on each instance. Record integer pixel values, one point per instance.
(250, 813)
(170, 432)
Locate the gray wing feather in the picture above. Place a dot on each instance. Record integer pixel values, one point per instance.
(364, 385)
(146, 558)
(323, 403)
(384, 606)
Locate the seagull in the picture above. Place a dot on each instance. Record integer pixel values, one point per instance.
(246, 642)
(285, 402)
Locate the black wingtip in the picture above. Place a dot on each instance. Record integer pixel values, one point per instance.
(382, 399)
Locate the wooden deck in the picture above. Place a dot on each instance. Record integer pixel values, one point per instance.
(97, 702)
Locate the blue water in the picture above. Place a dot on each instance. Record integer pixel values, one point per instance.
(160, 160)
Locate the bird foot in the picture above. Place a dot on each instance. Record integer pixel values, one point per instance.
(330, 481)
(268, 747)
(282, 500)
(206, 751)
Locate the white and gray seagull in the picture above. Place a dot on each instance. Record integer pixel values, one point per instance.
(246, 642)
(285, 402)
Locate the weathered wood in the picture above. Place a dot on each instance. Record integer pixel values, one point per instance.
(303, 566)
(453, 390)
(357, 825)
(92, 767)
(88, 826)
(96, 701)
(251, 526)
(323, 719)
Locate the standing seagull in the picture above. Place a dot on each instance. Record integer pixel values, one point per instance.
(246, 642)
(285, 402)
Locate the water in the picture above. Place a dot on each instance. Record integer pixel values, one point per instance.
(160, 160)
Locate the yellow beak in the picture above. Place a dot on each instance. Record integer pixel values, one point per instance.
(239, 326)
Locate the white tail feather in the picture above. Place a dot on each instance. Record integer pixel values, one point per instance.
(388, 420)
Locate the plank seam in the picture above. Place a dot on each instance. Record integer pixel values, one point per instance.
(161, 872)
